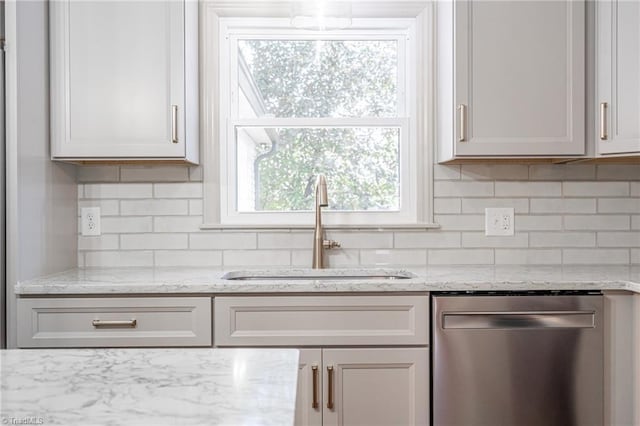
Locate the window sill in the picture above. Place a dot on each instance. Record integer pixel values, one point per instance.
(273, 227)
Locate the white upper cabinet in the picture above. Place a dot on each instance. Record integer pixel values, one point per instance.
(510, 79)
(618, 77)
(124, 80)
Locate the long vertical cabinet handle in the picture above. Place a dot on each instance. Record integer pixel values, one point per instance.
(330, 387)
(314, 371)
(174, 123)
(603, 121)
(462, 109)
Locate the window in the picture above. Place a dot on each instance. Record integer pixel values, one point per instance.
(296, 103)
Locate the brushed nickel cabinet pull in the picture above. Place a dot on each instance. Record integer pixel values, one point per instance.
(314, 370)
(603, 121)
(463, 122)
(174, 123)
(114, 324)
(330, 386)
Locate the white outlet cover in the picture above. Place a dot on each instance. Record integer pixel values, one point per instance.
(499, 221)
(90, 218)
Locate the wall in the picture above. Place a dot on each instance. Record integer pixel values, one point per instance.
(41, 194)
(565, 214)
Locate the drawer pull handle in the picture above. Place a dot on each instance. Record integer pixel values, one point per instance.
(114, 324)
(330, 386)
(314, 370)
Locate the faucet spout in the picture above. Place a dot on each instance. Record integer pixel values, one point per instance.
(319, 243)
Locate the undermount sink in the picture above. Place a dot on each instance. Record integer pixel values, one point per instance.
(319, 274)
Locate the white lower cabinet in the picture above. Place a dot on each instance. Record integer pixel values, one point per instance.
(362, 384)
(114, 322)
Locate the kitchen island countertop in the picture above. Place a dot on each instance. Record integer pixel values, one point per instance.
(183, 280)
(148, 386)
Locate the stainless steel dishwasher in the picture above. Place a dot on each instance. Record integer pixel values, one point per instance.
(518, 359)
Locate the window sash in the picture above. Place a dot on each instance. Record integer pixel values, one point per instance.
(400, 30)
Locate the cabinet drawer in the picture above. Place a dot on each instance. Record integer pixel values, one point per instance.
(114, 322)
(321, 320)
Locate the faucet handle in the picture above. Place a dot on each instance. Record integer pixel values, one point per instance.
(330, 244)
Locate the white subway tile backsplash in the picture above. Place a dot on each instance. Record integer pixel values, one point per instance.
(619, 172)
(362, 239)
(384, 257)
(619, 205)
(460, 222)
(571, 214)
(125, 225)
(619, 239)
(595, 256)
(528, 257)
(430, 239)
(447, 206)
(301, 258)
(477, 205)
(117, 190)
(195, 173)
(254, 258)
(102, 242)
(177, 190)
(479, 239)
(595, 189)
(98, 173)
(285, 240)
(153, 241)
(153, 207)
(446, 172)
(528, 189)
(195, 207)
(177, 223)
(460, 257)
(495, 172)
(562, 172)
(563, 205)
(341, 258)
(188, 258)
(597, 222)
(118, 258)
(537, 223)
(562, 239)
(154, 173)
(222, 240)
(107, 207)
(463, 189)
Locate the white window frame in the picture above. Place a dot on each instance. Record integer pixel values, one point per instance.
(222, 29)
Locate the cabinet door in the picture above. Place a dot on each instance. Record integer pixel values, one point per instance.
(117, 79)
(376, 386)
(618, 76)
(519, 78)
(309, 394)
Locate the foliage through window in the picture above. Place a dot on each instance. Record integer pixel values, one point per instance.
(302, 103)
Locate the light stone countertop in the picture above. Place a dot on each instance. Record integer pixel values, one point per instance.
(149, 386)
(189, 280)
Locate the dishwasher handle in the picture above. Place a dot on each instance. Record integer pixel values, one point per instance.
(518, 320)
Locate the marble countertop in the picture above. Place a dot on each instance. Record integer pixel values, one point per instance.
(185, 280)
(149, 386)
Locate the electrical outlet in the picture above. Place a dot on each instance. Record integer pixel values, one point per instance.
(499, 222)
(90, 221)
